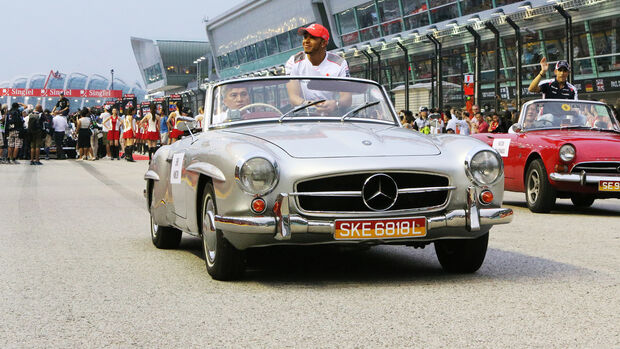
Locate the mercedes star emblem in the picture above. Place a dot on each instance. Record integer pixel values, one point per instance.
(379, 192)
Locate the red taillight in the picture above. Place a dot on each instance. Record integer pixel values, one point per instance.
(258, 205)
(486, 197)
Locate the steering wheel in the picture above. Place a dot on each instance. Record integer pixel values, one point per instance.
(545, 121)
(261, 105)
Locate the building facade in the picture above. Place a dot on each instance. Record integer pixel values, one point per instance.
(173, 67)
(497, 43)
(169, 66)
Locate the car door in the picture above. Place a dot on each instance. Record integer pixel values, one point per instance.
(520, 149)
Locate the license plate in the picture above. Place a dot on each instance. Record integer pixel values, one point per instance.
(361, 229)
(609, 186)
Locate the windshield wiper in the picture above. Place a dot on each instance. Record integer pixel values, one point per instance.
(300, 107)
(574, 126)
(356, 110)
(604, 129)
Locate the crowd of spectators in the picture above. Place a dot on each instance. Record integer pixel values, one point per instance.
(94, 134)
(90, 134)
(458, 121)
(461, 121)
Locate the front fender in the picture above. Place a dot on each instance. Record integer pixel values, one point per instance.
(207, 169)
(161, 203)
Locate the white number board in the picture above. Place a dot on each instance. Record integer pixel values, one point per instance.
(502, 145)
(176, 168)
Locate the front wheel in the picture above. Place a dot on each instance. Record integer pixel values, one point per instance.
(582, 200)
(462, 255)
(165, 237)
(223, 260)
(539, 193)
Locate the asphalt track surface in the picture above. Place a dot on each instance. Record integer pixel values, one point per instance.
(78, 269)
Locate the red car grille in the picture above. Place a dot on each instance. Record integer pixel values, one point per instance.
(597, 167)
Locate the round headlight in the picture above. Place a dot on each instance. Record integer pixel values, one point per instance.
(485, 167)
(567, 152)
(257, 176)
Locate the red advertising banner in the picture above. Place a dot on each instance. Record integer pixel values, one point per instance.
(39, 92)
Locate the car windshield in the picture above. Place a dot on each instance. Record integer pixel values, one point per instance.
(296, 98)
(567, 114)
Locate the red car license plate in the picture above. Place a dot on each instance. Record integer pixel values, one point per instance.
(609, 186)
(397, 228)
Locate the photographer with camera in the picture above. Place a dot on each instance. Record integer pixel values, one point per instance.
(15, 127)
(48, 132)
(36, 133)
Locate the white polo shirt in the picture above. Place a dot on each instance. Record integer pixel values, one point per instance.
(332, 65)
(104, 127)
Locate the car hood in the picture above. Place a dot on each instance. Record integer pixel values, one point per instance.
(595, 145)
(347, 139)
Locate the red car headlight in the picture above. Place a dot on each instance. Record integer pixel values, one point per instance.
(567, 152)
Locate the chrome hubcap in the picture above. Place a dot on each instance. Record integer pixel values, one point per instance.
(209, 236)
(533, 186)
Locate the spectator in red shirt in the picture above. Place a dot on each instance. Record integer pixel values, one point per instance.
(483, 127)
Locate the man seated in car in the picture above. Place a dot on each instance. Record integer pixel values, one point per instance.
(234, 98)
(530, 118)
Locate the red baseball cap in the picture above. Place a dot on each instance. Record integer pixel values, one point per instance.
(316, 30)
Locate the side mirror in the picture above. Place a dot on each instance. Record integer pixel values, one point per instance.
(187, 124)
(515, 128)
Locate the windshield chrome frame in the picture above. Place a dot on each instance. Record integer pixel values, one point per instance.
(528, 103)
(210, 102)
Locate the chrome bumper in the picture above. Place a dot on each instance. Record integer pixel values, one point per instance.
(581, 178)
(284, 224)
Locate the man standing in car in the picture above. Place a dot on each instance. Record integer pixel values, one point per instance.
(558, 88)
(62, 106)
(316, 61)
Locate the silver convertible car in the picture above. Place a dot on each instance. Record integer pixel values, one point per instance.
(307, 161)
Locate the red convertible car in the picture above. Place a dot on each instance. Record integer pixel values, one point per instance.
(561, 149)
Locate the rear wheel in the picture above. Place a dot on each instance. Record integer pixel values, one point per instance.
(539, 193)
(462, 255)
(165, 237)
(581, 200)
(223, 260)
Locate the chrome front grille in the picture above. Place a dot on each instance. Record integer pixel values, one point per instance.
(602, 167)
(343, 193)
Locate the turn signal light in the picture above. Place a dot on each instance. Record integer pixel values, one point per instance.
(561, 168)
(258, 205)
(486, 197)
